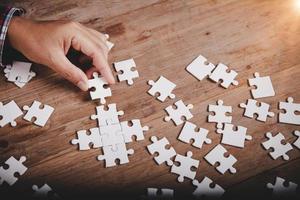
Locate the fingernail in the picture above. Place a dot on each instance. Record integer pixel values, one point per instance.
(83, 85)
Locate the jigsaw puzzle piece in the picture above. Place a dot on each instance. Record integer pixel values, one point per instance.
(252, 108)
(227, 77)
(41, 115)
(189, 133)
(107, 116)
(85, 140)
(135, 129)
(279, 149)
(9, 113)
(19, 72)
(291, 109)
(281, 190)
(164, 193)
(44, 192)
(264, 87)
(184, 169)
(200, 68)
(177, 114)
(205, 190)
(163, 87)
(14, 166)
(160, 147)
(126, 67)
(99, 88)
(216, 155)
(297, 142)
(220, 113)
(111, 135)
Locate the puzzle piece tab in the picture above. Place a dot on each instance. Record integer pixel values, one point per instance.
(281, 190)
(177, 114)
(14, 166)
(205, 190)
(9, 113)
(107, 116)
(252, 108)
(135, 129)
(220, 113)
(99, 88)
(125, 67)
(86, 140)
(223, 75)
(264, 87)
(200, 68)
(163, 87)
(290, 116)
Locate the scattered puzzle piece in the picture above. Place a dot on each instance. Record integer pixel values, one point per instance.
(205, 190)
(221, 74)
(163, 87)
(99, 87)
(159, 147)
(19, 72)
(279, 149)
(189, 133)
(154, 193)
(44, 192)
(14, 166)
(290, 116)
(252, 108)
(135, 129)
(184, 169)
(9, 113)
(281, 190)
(297, 142)
(125, 67)
(200, 68)
(177, 114)
(220, 113)
(111, 154)
(233, 137)
(217, 156)
(107, 116)
(85, 141)
(41, 115)
(264, 87)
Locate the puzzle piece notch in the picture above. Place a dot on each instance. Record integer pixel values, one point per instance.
(85, 141)
(100, 90)
(162, 86)
(290, 116)
(220, 112)
(184, 170)
(281, 190)
(279, 149)
(189, 134)
(200, 68)
(177, 114)
(205, 190)
(264, 87)
(107, 116)
(164, 193)
(44, 192)
(297, 142)
(14, 166)
(216, 155)
(164, 154)
(19, 72)
(262, 110)
(222, 74)
(233, 137)
(111, 154)
(9, 113)
(126, 67)
(135, 130)
(41, 115)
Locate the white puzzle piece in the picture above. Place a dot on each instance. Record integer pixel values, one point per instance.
(279, 149)
(220, 113)
(159, 147)
(216, 155)
(222, 74)
(20, 84)
(135, 130)
(19, 71)
(205, 190)
(264, 87)
(86, 141)
(107, 116)
(14, 166)
(200, 68)
(177, 114)
(198, 137)
(281, 190)
(44, 192)
(163, 87)
(164, 193)
(184, 169)
(233, 137)
(9, 113)
(297, 142)
(111, 135)
(125, 67)
(41, 115)
(262, 110)
(110, 155)
(290, 116)
(99, 87)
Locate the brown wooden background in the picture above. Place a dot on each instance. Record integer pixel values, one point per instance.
(163, 37)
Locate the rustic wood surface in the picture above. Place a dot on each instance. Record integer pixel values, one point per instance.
(163, 37)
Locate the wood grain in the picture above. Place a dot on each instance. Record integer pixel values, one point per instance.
(163, 37)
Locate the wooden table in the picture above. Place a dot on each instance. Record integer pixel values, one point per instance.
(163, 37)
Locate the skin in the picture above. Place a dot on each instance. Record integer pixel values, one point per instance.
(48, 42)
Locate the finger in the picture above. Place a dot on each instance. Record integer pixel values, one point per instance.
(90, 71)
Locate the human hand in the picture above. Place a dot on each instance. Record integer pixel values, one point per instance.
(48, 42)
